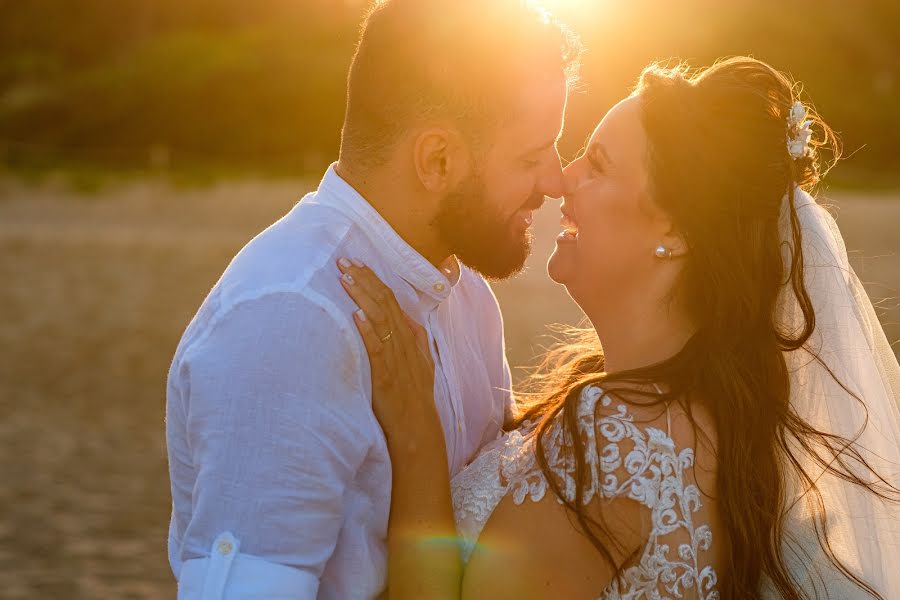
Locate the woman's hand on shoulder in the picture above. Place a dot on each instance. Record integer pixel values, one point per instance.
(401, 363)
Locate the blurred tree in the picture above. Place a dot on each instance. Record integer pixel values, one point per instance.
(259, 86)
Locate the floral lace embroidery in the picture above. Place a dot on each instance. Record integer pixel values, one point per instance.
(476, 491)
(651, 473)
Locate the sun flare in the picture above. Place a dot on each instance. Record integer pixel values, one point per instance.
(573, 8)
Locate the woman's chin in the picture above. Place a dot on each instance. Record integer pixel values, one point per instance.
(560, 267)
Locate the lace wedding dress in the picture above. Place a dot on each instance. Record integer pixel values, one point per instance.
(626, 460)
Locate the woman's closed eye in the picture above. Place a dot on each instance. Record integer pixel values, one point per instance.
(595, 158)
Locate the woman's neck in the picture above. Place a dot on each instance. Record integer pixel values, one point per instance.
(635, 335)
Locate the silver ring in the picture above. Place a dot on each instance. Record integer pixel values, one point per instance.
(387, 337)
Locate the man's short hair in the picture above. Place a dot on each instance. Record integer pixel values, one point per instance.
(459, 60)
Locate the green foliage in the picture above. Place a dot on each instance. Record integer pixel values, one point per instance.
(233, 86)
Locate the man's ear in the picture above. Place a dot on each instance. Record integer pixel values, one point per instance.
(438, 158)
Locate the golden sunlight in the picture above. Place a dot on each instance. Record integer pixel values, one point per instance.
(574, 8)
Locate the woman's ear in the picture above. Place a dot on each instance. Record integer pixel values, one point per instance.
(674, 242)
(438, 159)
(667, 236)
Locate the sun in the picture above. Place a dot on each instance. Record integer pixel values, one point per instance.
(573, 8)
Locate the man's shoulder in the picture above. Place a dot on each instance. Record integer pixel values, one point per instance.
(292, 256)
(301, 327)
(285, 277)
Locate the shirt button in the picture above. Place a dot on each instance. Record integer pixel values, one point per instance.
(225, 548)
(439, 287)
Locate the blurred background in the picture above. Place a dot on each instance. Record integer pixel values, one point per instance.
(142, 143)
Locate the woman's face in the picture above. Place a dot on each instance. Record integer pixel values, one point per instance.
(611, 227)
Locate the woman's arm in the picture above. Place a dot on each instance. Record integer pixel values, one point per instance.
(423, 555)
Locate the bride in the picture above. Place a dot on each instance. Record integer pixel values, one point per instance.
(736, 436)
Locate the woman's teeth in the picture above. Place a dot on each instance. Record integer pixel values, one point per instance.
(570, 229)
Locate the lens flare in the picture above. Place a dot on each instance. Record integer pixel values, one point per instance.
(574, 9)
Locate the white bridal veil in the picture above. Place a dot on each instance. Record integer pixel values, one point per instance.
(864, 530)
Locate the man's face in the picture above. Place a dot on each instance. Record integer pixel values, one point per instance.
(485, 220)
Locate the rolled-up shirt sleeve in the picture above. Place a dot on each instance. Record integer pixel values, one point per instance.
(276, 422)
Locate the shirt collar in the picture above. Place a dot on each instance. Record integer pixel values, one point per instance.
(432, 283)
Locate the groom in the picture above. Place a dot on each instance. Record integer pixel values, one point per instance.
(280, 475)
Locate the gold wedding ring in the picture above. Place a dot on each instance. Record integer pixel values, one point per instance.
(387, 337)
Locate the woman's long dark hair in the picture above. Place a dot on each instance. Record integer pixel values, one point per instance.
(720, 167)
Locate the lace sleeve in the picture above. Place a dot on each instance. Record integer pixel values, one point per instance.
(641, 463)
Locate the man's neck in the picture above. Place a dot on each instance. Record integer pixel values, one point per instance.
(400, 206)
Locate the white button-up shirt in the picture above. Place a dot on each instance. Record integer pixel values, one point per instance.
(280, 475)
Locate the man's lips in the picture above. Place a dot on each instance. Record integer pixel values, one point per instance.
(525, 215)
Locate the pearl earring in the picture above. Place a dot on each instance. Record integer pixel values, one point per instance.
(663, 252)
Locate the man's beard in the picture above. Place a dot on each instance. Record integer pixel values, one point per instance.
(481, 238)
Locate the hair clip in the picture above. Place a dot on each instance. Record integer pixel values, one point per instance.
(799, 133)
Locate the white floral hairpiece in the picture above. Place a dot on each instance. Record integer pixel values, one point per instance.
(799, 133)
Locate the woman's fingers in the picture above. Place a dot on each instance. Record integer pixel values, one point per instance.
(372, 342)
(375, 298)
(404, 344)
(375, 348)
(369, 281)
(361, 291)
(402, 366)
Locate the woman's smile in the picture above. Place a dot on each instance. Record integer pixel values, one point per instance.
(569, 224)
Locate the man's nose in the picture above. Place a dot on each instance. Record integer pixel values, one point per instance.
(570, 179)
(552, 181)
